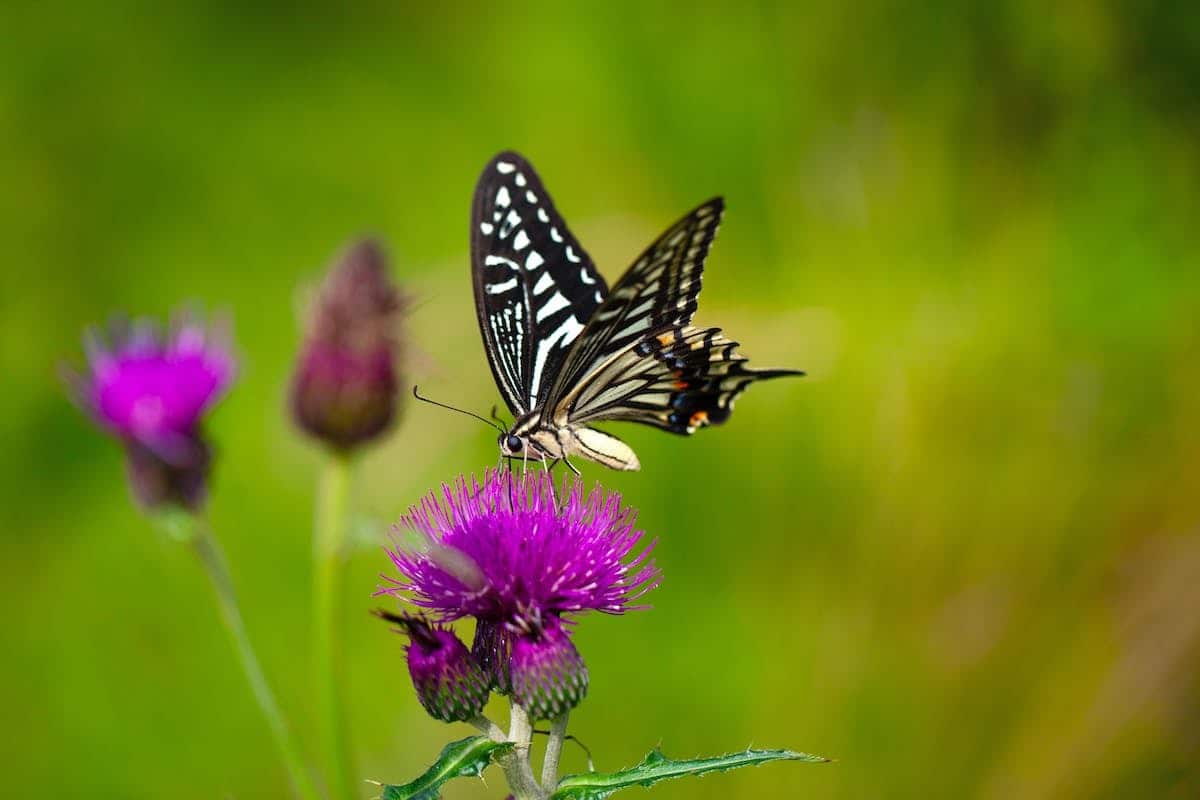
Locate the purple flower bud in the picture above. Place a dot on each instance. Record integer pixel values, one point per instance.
(345, 387)
(450, 684)
(152, 391)
(492, 649)
(549, 677)
(156, 483)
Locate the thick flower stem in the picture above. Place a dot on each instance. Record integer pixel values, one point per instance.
(489, 728)
(328, 546)
(209, 552)
(554, 747)
(516, 764)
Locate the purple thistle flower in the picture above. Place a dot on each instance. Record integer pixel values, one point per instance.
(344, 389)
(506, 552)
(152, 390)
(549, 677)
(450, 684)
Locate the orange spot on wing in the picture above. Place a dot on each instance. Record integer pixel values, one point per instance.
(699, 418)
(666, 338)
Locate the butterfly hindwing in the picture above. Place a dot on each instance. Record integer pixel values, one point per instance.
(657, 293)
(535, 286)
(680, 380)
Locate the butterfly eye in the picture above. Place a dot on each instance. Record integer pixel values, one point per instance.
(513, 443)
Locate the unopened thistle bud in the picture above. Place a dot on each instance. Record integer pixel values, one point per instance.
(345, 387)
(492, 648)
(450, 685)
(549, 677)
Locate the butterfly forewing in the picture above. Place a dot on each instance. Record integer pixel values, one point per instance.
(656, 294)
(535, 286)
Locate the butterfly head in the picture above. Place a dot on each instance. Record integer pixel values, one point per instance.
(530, 441)
(511, 444)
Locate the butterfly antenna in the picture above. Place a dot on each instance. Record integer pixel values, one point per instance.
(496, 416)
(484, 420)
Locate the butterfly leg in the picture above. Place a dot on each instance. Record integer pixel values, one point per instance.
(563, 448)
(548, 465)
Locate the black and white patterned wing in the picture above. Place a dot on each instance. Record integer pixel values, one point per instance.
(679, 380)
(535, 287)
(656, 294)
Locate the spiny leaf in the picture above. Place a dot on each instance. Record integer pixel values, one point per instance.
(466, 758)
(656, 767)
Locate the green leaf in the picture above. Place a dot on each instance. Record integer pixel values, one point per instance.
(466, 758)
(656, 767)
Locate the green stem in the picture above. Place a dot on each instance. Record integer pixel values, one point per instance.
(210, 555)
(517, 769)
(554, 746)
(328, 546)
(489, 728)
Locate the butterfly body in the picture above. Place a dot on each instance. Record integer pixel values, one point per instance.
(566, 351)
(532, 440)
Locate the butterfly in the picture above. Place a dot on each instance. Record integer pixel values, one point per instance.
(567, 351)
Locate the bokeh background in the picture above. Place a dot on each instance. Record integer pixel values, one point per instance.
(962, 556)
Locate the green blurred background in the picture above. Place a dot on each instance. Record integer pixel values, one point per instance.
(962, 556)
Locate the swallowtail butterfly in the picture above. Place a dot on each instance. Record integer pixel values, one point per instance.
(567, 351)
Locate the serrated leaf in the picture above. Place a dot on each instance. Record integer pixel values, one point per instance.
(656, 767)
(466, 758)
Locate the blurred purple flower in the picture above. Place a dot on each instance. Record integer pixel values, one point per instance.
(345, 386)
(508, 552)
(152, 390)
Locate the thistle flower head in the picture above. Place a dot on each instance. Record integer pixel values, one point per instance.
(152, 390)
(344, 389)
(549, 677)
(449, 684)
(153, 387)
(510, 552)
